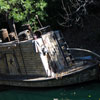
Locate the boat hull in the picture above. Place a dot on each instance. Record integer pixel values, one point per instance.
(86, 74)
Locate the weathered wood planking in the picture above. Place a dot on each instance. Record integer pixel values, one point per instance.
(27, 60)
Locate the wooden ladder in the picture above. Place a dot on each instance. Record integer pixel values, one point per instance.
(64, 48)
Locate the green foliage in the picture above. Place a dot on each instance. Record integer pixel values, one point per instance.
(4, 6)
(24, 10)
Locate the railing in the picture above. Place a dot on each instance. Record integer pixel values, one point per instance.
(83, 52)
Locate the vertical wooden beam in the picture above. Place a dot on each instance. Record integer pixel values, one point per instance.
(22, 58)
(6, 63)
(16, 61)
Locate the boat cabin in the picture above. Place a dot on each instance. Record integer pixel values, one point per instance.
(41, 55)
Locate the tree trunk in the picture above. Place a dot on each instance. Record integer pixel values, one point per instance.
(12, 26)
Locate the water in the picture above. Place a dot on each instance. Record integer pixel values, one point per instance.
(88, 91)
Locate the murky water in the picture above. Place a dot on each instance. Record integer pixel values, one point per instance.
(87, 91)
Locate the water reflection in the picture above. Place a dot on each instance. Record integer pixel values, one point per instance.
(90, 91)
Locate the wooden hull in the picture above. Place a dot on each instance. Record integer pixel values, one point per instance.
(83, 75)
(22, 63)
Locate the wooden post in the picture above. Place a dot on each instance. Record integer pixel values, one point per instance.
(4, 35)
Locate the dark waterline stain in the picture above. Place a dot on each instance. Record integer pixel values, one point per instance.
(87, 91)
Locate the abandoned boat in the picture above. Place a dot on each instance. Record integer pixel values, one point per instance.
(45, 61)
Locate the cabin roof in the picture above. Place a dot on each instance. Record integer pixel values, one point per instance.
(13, 43)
